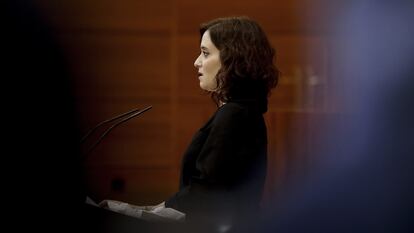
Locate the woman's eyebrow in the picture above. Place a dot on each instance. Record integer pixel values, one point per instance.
(204, 48)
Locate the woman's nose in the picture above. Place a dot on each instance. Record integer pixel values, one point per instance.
(197, 62)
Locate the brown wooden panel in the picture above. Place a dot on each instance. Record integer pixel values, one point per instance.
(119, 66)
(120, 15)
(276, 167)
(116, 73)
(137, 185)
(276, 16)
(304, 66)
(295, 144)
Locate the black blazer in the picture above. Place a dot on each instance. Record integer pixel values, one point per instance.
(223, 170)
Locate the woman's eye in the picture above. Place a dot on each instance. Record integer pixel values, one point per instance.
(205, 53)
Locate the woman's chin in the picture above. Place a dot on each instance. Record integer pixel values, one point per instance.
(203, 87)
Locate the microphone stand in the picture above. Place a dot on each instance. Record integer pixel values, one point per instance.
(121, 119)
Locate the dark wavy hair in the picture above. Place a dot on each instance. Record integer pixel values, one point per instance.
(247, 59)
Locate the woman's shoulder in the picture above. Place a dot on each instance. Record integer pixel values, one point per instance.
(232, 111)
(232, 108)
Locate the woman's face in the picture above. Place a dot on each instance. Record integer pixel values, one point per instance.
(208, 63)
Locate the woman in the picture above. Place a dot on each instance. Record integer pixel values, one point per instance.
(223, 170)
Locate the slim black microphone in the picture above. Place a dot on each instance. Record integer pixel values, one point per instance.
(122, 118)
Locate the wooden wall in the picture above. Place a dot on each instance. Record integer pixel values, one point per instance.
(127, 53)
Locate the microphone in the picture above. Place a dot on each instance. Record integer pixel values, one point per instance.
(121, 119)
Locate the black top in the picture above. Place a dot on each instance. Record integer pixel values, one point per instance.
(224, 167)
